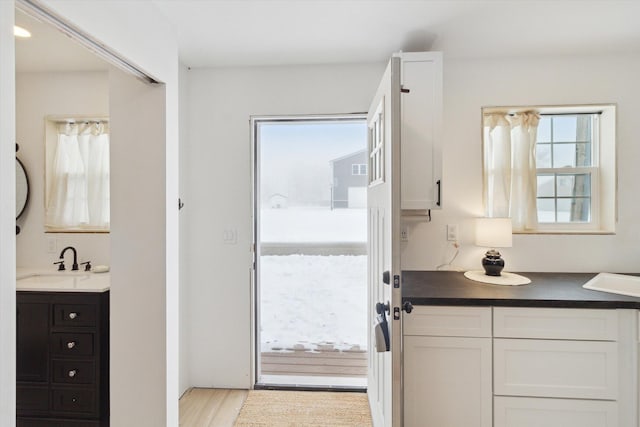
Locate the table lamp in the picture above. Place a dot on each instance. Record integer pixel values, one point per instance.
(493, 233)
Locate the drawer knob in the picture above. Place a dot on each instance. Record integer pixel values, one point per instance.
(74, 399)
(71, 344)
(72, 373)
(73, 315)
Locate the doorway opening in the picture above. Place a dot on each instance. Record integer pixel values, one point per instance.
(310, 181)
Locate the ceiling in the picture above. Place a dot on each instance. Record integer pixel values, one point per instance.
(223, 33)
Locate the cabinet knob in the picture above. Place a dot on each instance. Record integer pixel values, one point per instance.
(74, 399)
(73, 315)
(71, 344)
(72, 373)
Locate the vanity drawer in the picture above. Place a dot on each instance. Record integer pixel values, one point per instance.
(72, 344)
(74, 315)
(79, 401)
(448, 321)
(555, 323)
(552, 368)
(74, 371)
(52, 422)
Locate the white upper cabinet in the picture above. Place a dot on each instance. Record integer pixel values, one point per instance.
(421, 130)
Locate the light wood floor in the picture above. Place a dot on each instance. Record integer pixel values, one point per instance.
(205, 407)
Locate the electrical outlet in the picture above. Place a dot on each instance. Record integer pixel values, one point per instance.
(452, 232)
(404, 235)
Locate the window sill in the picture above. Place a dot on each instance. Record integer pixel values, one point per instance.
(568, 232)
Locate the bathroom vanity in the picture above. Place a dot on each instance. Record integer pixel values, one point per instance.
(62, 372)
(548, 353)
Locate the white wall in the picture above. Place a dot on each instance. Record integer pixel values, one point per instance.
(39, 95)
(7, 218)
(472, 84)
(140, 33)
(221, 101)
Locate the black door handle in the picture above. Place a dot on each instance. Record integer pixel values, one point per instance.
(386, 277)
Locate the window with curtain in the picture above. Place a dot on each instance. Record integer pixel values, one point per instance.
(550, 169)
(78, 177)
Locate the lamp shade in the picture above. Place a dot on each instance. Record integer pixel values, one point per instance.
(494, 232)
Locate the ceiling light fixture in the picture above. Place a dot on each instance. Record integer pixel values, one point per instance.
(21, 32)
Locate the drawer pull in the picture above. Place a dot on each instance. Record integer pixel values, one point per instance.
(72, 373)
(73, 315)
(71, 344)
(74, 399)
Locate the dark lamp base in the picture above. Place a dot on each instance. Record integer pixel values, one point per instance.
(492, 263)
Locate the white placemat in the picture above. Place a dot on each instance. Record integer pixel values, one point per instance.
(507, 279)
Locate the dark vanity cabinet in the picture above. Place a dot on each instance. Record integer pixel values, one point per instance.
(62, 359)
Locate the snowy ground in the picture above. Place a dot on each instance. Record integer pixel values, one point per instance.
(313, 302)
(313, 225)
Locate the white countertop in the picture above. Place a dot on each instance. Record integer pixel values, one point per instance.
(47, 280)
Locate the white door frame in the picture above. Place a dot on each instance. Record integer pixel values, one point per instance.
(255, 121)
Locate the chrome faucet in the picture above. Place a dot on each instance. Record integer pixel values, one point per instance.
(74, 267)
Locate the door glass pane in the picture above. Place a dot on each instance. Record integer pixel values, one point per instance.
(312, 274)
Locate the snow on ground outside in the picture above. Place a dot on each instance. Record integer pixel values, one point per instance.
(314, 224)
(313, 302)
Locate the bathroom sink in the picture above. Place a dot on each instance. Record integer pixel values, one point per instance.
(615, 283)
(70, 281)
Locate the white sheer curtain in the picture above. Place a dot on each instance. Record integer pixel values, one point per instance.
(79, 188)
(510, 167)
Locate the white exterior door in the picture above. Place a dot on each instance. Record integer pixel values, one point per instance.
(383, 195)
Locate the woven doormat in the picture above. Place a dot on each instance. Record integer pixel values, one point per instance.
(304, 408)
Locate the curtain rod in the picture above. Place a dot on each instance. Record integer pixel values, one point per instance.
(37, 10)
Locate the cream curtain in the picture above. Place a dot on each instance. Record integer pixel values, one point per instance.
(79, 188)
(510, 168)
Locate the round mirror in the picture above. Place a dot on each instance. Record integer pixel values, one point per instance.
(22, 188)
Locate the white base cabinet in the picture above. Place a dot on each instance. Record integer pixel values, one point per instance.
(447, 367)
(520, 367)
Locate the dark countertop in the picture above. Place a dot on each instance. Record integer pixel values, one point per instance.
(545, 290)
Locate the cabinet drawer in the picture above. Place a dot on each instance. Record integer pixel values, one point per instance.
(74, 371)
(50, 422)
(548, 368)
(448, 321)
(74, 314)
(529, 412)
(31, 398)
(555, 323)
(72, 344)
(74, 401)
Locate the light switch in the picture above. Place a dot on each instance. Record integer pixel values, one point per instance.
(230, 236)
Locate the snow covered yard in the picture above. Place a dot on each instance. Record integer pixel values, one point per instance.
(313, 302)
(313, 224)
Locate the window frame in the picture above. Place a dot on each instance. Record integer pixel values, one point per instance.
(603, 169)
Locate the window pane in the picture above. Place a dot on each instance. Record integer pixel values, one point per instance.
(543, 155)
(564, 155)
(564, 128)
(574, 185)
(583, 154)
(574, 210)
(564, 210)
(546, 187)
(544, 129)
(546, 210)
